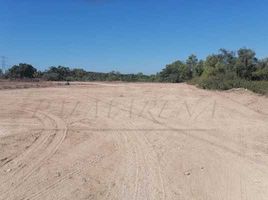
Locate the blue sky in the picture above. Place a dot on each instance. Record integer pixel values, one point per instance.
(129, 36)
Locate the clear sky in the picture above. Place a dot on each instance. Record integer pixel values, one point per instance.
(128, 35)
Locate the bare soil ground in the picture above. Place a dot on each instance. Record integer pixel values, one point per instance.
(133, 141)
(7, 85)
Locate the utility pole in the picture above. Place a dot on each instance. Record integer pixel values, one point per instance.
(3, 61)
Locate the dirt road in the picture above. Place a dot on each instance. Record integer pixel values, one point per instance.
(133, 141)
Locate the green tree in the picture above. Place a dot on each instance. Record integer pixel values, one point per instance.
(262, 70)
(175, 73)
(78, 74)
(114, 76)
(246, 63)
(227, 58)
(221, 63)
(21, 71)
(192, 63)
(198, 70)
(211, 66)
(38, 74)
(59, 73)
(170, 73)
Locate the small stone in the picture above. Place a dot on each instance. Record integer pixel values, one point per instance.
(8, 170)
(84, 180)
(187, 173)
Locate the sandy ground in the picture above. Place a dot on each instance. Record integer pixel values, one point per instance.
(133, 141)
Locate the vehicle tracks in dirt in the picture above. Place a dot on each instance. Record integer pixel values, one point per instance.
(35, 156)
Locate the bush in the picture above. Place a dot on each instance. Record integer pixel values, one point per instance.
(219, 81)
(223, 83)
(255, 86)
(51, 76)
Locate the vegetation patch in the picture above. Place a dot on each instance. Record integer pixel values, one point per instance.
(221, 71)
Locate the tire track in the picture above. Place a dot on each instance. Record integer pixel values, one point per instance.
(66, 178)
(147, 168)
(142, 169)
(17, 164)
(136, 158)
(152, 168)
(11, 159)
(58, 135)
(209, 138)
(121, 145)
(160, 174)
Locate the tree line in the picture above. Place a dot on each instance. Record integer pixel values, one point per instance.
(242, 64)
(25, 71)
(223, 70)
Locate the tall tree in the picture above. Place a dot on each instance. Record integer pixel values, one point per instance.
(192, 63)
(261, 72)
(59, 73)
(228, 59)
(175, 73)
(246, 63)
(21, 71)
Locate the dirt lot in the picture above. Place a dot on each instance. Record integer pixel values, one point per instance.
(133, 141)
(7, 85)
